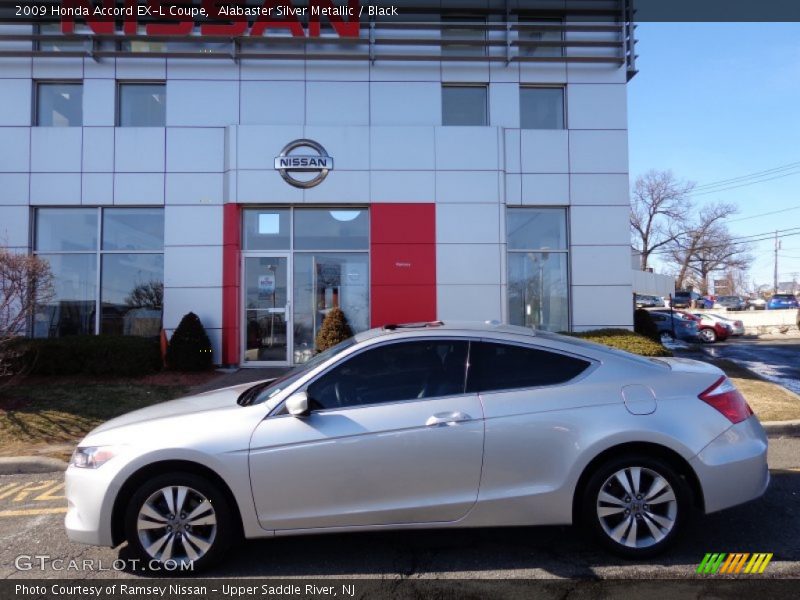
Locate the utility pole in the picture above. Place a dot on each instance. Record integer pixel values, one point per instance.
(775, 270)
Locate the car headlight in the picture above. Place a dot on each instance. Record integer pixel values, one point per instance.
(91, 457)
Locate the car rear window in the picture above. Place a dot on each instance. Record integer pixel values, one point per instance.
(495, 366)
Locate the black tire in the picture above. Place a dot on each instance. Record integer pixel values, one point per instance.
(220, 536)
(590, 506)
(708, 335)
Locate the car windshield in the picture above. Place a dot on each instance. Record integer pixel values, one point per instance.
(264, 391)
(783, 297)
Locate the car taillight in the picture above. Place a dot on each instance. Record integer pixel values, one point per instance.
(724, 396)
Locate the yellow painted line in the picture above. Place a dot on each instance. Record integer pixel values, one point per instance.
(32, 512)
(51, 494)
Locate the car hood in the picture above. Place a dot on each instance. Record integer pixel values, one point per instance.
(222, 399)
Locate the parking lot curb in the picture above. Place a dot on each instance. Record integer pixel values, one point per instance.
(16, 465)
(790, 428)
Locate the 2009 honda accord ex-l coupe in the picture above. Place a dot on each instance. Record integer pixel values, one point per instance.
(421, 426)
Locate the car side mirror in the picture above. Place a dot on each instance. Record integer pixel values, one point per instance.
(297, 404)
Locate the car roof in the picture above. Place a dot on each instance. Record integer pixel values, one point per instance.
(448, 327)
(500, 331)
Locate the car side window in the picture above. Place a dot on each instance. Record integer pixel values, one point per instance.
(494, 366)
(393, 372)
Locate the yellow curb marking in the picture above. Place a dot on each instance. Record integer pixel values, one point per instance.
(33, 487)
(22, 490)
(9, 489)
(32, 511)
(50, 494)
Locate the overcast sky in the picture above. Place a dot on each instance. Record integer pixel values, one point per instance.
(716, 101)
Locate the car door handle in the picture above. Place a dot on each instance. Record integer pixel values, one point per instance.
(447, 418)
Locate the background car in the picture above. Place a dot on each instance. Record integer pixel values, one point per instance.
(712, 328)
(782, 301)
(431, 425)
(675, 325)
(736, 325)
(730, 302)
(756, 304)
(645, 301)
(684, 299)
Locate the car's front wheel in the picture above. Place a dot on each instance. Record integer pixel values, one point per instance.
(179, 519)
(635, 505)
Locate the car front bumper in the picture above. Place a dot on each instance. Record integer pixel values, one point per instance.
(90, 496)
(733, 469)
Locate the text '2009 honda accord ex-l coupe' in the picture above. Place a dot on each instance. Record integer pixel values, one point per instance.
(420, 426)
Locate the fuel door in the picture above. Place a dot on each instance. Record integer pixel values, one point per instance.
(639, 399)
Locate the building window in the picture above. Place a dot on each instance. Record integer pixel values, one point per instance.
(541, 37)
(465, 105)
(59, 104)
(463, 36)
(541, 107)
(329, 265)
(538, 291)
(108, 268)
(142, 104)
(58, 43)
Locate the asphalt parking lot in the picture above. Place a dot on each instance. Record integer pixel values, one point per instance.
(776, 360)
(32, 509)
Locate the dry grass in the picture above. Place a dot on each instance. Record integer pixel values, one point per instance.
(770, 401)
(48, 418)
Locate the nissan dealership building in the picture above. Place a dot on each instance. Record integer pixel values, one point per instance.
(465, 160)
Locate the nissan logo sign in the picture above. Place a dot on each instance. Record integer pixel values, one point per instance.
(287, 163)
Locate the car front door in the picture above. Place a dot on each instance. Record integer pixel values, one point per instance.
(391, 438)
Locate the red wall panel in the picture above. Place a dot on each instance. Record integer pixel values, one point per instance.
(403, 259)
(231, 252)
(403, 264)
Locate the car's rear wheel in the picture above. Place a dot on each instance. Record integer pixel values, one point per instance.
(635, 505)
(179, 519)
(708, 335)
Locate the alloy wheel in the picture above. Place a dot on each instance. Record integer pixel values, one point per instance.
(176, 523)
(637, 507)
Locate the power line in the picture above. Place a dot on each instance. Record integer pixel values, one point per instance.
(763, 237)
(774, 212)
(741, 185)
(756, 174)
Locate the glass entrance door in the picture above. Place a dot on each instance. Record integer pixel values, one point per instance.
(267, 313)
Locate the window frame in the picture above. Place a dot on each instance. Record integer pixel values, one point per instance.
(460, 22)
(530, 23)
(35, 96)
(567, 250)
(98, 252)
(462, 85)
(593, 365)
(278, 411)
(118, 99)
(537, 86)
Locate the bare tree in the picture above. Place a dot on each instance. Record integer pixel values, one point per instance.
(146, 295)
(660, 204)
(25, 281)
(707, 247)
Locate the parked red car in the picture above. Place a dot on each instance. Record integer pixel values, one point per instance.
(708, 330)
